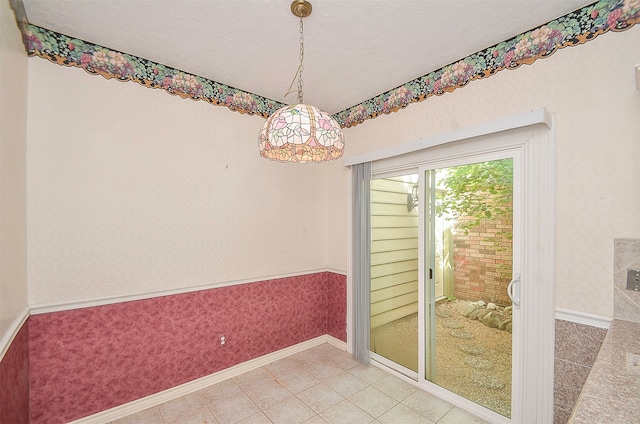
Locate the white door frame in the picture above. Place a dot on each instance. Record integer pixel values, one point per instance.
(532, 135)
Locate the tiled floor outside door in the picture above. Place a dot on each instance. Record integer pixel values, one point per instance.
(317, 386)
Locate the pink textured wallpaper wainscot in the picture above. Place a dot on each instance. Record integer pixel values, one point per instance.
(14, 380)
(88, 360)
(337, 306)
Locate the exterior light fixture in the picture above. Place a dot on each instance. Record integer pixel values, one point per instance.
(301, 132)
(412, 198)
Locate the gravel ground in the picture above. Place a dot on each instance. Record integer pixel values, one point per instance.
(473, 360)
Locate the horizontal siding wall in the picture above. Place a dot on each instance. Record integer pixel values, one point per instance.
(394, 252)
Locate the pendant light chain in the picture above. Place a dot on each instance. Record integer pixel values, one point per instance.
(300, 93)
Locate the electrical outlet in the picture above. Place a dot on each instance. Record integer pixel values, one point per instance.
(222, 340)
(633, 279)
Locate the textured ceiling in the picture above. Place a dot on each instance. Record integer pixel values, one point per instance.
(354, 49)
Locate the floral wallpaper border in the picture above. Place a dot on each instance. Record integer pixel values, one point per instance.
(68, 51)
(573, 29)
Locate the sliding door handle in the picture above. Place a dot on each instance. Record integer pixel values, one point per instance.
(513, 290)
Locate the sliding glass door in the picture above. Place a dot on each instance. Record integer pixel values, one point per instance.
(468, 224)
(441, 263)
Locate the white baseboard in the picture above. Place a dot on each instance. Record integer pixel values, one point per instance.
(12, 332)
(584, 318)
(335, 342)
(201, 383)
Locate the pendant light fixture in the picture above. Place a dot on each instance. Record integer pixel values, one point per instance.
(301, 132)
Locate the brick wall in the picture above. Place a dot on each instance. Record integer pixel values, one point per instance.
(483, 261)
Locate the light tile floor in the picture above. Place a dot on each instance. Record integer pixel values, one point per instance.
(321, 385)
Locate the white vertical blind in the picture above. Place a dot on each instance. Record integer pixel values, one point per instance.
(361, 254)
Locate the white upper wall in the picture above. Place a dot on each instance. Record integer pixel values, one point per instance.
(591, 92)
(13, 127)
(131, 190)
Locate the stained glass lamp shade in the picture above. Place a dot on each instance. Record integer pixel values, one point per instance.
(301, 133)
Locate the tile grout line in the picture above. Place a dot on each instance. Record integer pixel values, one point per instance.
(326, 367)
(574, 363)
(627, 296)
